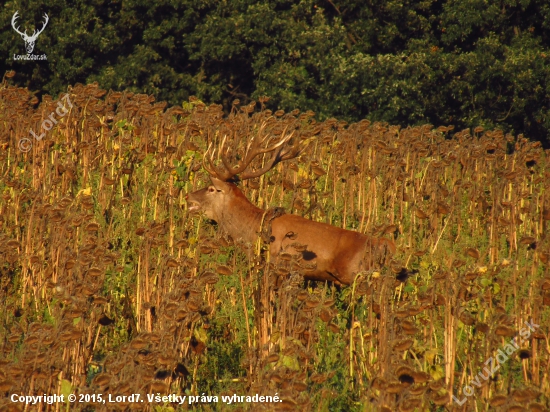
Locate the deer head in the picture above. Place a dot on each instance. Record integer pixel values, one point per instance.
(29, 40)
(223, 201)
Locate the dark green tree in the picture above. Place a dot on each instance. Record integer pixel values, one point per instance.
(461, 62)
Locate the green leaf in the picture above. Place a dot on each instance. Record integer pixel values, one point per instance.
(291, 362)
(66, 388)
(436, 371)
(485, 282)
(409, 288)
(200, 334)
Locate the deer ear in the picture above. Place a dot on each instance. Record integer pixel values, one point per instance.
(217, 183)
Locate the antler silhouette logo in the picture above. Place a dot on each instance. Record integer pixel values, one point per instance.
(29, 40)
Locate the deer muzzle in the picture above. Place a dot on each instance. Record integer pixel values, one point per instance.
(193, 206)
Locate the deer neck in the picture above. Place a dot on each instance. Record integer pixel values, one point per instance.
(241, 219)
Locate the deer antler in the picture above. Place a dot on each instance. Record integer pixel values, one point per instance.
(13, 19)
(253, 149)
(35, 34)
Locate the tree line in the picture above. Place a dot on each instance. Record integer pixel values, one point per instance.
(463, 62)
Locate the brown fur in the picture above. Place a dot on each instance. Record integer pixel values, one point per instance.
(338, 253)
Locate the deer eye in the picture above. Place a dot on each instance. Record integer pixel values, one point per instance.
(211, 189)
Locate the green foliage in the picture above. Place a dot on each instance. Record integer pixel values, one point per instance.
(466, 63)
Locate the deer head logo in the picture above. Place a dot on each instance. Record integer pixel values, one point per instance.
(29, 40)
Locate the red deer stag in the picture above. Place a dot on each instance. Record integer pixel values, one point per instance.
(334, 254)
